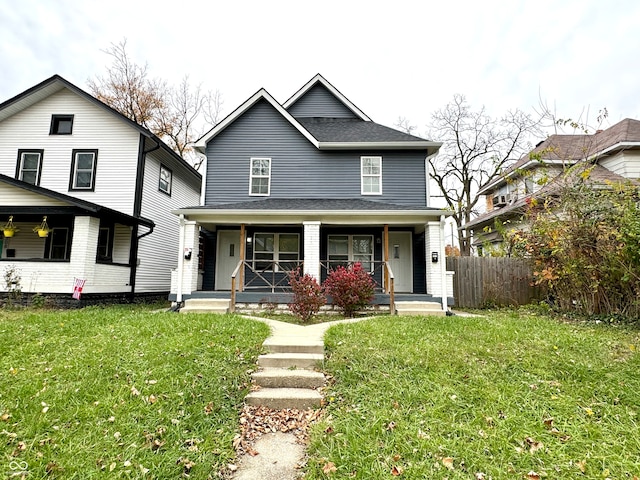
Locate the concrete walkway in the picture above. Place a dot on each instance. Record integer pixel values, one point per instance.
(287, 379)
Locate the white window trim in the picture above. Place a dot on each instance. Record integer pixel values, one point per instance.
(38, 169)
(252, 176)
(369, 175)
(276, 249)
(76, 170)
(169, 181)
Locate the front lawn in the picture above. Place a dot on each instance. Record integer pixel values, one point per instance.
(507, 396)
(122, 392)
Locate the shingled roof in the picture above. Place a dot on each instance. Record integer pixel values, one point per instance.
(317, 204)
(569, 149)
(353, 130)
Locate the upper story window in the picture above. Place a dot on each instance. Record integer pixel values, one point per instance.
(260, 177)
(166, 178)
(29, 166)
(371, 175)
(61, 125)
(83, 170)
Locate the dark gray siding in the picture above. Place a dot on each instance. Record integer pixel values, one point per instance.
(320, 102)
(298, 168)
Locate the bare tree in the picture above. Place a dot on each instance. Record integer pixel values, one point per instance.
(404, 124)
(476, 148)
(178, 115)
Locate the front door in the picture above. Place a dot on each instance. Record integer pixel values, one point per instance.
(400, 260)
(227, 257)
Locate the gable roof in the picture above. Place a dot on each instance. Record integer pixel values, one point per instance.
(261, 94)
(83, 205)
(319, 79)
(569, 149)
(55, 84)
(325, 133)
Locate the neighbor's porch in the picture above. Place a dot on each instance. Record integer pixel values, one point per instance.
(68, 247)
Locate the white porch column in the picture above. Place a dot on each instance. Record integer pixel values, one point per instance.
(436, 271)
(190, 257)
(312, 249)
(84, 247)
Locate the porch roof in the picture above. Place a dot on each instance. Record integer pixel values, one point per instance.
(55, 202)
(299, 210)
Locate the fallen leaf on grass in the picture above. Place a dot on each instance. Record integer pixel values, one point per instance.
(328, 468)
(534, 445)
(480, 476)
(134, 391)
(448, 462)
(533, 476)
(208, 408)
(5, 417)
(396, 471)
(391, 426)
(582, 465)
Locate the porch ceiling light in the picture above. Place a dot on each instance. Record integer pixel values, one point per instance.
(9, 228)
(43, 229)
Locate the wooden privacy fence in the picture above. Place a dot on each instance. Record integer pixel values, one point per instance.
(492, 281)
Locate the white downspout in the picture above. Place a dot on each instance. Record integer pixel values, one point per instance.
(443, 265)
(180, 259)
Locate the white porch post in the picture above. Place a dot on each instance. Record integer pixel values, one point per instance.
(180, 260)
(436, 271)
(443, 265)
(84, 248)
(312, 249)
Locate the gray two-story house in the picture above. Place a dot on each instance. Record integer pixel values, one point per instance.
(310, 183)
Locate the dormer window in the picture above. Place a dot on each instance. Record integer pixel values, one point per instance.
(61, 125)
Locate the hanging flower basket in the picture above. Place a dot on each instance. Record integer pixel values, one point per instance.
(43, 229)
(9, 228)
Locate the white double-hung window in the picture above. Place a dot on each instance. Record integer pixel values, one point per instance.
(371, 175)
(260, 177)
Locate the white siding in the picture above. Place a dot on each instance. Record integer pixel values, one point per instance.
(26, 243)
(121, 243)
(93, 128)
(626, 164)
(41, 277)
(14, 196)
(158, 252)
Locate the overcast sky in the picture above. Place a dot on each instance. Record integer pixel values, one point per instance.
(397, 58)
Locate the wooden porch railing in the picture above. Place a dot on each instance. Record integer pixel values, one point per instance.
(274, 275)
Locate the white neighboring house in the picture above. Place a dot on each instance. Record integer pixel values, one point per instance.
(106, 186)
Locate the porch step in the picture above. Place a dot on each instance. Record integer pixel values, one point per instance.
(293, 344)
(281, 398)
(290, 360)
(205, 305)
(284, 378)
(419, 308)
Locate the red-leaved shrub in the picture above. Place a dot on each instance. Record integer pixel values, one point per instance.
(351, 288)
(308, 297)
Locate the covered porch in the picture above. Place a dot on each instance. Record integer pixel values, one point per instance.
(246, 252)
(51, 239)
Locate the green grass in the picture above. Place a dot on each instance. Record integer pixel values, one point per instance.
(122, 392)
(456, 397)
